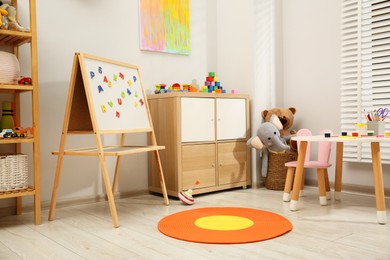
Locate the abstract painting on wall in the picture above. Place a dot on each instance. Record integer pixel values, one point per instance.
(165, 26)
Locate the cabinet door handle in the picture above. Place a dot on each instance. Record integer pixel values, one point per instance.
(213, 165)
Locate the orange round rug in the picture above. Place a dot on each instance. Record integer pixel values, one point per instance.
(224, 225)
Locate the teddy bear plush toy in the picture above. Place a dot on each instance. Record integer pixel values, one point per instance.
(10, 22)
(286, 117)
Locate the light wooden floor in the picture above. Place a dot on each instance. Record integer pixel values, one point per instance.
(344, 229)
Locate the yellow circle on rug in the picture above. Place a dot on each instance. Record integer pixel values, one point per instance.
(223, 223)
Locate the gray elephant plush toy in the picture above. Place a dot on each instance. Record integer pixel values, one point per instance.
(268, 140)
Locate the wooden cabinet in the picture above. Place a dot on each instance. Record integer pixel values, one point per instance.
(205, 141)
(11, 41)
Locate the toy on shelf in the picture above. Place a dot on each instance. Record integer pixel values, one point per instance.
(10, 22)
(212, 84)
(186, 197)
(3, 15)
(7, 120)
(25, 81)
(21, 132)
(176, 87)
(6, 133)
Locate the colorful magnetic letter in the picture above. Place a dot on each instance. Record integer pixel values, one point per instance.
(109, 84)
(100, 89)
(141, 101)
(105, 79)
(136, 94)
(92, 74)
(123, 94)
(134, 78)
(100, 70)
(128, 91)
(119, 101)
(117, 114)
(129, 82)
(110, 103)
(115, 77)
(121, 75)
(104, 109)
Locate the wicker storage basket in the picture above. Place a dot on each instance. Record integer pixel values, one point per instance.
(276, 175)
(13, 172)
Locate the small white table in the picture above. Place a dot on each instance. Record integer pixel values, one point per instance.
(376, 167)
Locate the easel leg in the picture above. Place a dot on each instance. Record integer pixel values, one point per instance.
(110, 196)
(115, 181)
(162, 181)
(55, 187)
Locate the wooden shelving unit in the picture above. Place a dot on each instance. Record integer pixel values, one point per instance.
(15, 39)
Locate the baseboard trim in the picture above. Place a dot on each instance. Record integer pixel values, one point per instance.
(352, 188)
(45, 205)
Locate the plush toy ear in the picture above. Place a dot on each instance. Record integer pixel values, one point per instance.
(276, 121)
(255, 142)
(264, 114)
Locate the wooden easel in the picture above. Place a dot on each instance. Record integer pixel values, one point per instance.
(106, 97)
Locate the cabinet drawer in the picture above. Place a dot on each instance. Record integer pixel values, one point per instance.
(232, 162)
(198, 164)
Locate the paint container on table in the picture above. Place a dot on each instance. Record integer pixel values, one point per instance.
(327, 134)
(377, 126)
(387, 134)
(355, 134)
(344, 133)
(361, 129)
(370, 132)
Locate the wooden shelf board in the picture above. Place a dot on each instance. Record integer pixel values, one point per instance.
(16, 140)
(111, 150)
(13, 88)
(17, 193)
(15, 38)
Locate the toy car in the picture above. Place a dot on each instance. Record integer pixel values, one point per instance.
(25, 81)
(6, 133)
(20, 132)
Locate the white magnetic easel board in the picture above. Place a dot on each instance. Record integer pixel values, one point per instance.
(106, 97)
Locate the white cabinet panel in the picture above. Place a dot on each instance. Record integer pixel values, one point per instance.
(231, 118)
(197, 119)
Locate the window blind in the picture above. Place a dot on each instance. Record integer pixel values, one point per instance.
(365, 69)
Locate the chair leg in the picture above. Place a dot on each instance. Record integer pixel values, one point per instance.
(327, 186)
(288, 184)
(321, 186)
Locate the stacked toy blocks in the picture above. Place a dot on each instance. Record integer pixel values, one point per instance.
(212, 84)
